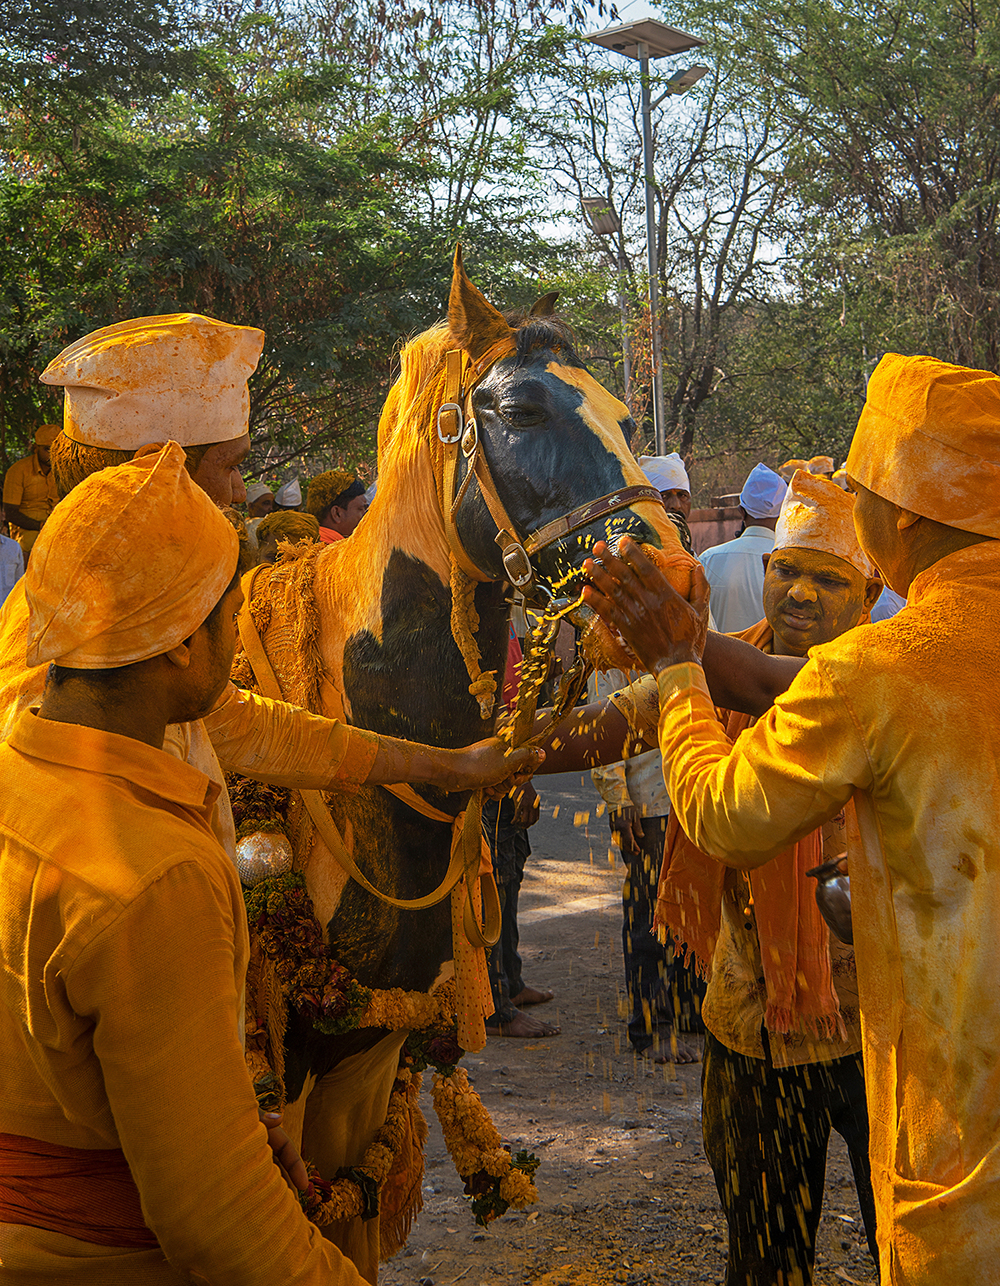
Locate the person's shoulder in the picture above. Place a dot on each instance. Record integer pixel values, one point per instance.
(111, 840)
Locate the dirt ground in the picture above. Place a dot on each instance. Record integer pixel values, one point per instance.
(625, 1192)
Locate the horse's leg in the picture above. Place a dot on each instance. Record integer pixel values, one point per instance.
(343, 1111)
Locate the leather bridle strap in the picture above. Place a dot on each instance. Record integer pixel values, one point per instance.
(587, 513)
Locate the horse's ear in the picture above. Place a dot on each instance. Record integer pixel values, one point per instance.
(545, 306)
(472, 319)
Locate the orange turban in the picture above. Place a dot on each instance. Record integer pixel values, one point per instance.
(128, 566)
(817, 514)
(46, 434)
(820, 464)
(789, 467)
(928, 440)
(179, 376)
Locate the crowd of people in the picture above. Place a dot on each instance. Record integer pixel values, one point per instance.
(783, 724)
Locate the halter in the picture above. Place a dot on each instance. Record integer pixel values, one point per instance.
(456, 426)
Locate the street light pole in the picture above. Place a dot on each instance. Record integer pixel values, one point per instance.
(652, 257)
(642, 41)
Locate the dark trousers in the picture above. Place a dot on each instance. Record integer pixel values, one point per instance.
(509, 849)
(766, 1131)
(661, 991)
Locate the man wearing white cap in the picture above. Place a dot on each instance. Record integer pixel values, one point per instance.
(735, 570)
(781, 1010)
(638, 810)
(260, 503)
(669, 476)
(899, 724)
(289, 496)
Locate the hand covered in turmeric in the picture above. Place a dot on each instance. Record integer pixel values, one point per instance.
(634, 597)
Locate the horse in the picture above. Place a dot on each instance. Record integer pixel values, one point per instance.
(501, 460)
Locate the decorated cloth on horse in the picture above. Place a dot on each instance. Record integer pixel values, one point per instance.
(131, 919)
(893, 717)
(493, 429)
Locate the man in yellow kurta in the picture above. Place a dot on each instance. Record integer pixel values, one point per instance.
(898, 721)
(29, 492)
(131, 1152)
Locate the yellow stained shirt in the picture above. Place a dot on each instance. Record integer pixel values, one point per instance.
(901, 717)
(29, 489)
(267, 740)
(736, 997)
(124, 947)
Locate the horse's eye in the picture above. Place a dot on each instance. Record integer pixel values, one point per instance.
(521, 414)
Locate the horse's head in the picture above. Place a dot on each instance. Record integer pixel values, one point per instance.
(542, 463)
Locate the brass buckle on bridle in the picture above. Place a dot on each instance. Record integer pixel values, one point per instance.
(516, 562)
(459, 420)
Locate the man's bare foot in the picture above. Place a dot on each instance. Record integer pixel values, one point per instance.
(524, 1025)
(671, 1050)
(532, 996)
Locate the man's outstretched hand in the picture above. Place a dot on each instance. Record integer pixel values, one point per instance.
(633, 596)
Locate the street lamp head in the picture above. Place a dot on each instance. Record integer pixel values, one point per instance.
(598, 215)
(645, 39)
(682, 80)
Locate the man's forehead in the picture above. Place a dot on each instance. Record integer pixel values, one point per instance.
(813, 560)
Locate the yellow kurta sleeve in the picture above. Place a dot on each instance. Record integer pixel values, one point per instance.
(279, 743)
(791, 771)
(159, 984)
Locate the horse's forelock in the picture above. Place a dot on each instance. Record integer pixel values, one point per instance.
(531, 333)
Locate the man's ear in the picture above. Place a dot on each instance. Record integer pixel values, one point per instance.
(873, 591)
(180, 656)
(906, 519)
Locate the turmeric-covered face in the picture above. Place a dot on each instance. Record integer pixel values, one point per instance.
(810, 598)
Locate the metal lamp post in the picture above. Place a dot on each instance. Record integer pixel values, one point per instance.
(642, 41)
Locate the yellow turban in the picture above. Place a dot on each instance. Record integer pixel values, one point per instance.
(46, 434)
(178, 376)
(128, 566)
(817, 514)
(288, 526)
(929, 441)
(789, 467)
(820, 464)
(326, 487)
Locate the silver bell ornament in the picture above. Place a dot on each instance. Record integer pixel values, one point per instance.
(262, 856)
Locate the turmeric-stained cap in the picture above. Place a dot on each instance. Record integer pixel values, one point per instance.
(179, 376)
(46, 434)
(817, 514)
(128, 565)
(789, 467)
(820, 464)
(929, 441)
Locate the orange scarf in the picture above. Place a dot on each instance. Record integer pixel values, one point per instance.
(82, 1193)
(794, 939)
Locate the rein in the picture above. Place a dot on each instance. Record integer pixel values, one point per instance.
(457, 427)
(467, 840)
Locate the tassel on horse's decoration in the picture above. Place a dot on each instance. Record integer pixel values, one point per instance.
(464, 627)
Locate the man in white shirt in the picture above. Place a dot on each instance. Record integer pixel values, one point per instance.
(11, 564)
(735, 570)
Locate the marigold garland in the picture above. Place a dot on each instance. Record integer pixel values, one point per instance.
(494, 1179)
(280, 912)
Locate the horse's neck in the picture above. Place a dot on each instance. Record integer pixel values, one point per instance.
(392, 664)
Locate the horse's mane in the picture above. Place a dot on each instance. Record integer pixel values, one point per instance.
(419, 389)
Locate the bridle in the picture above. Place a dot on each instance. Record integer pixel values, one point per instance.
(457, 429)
